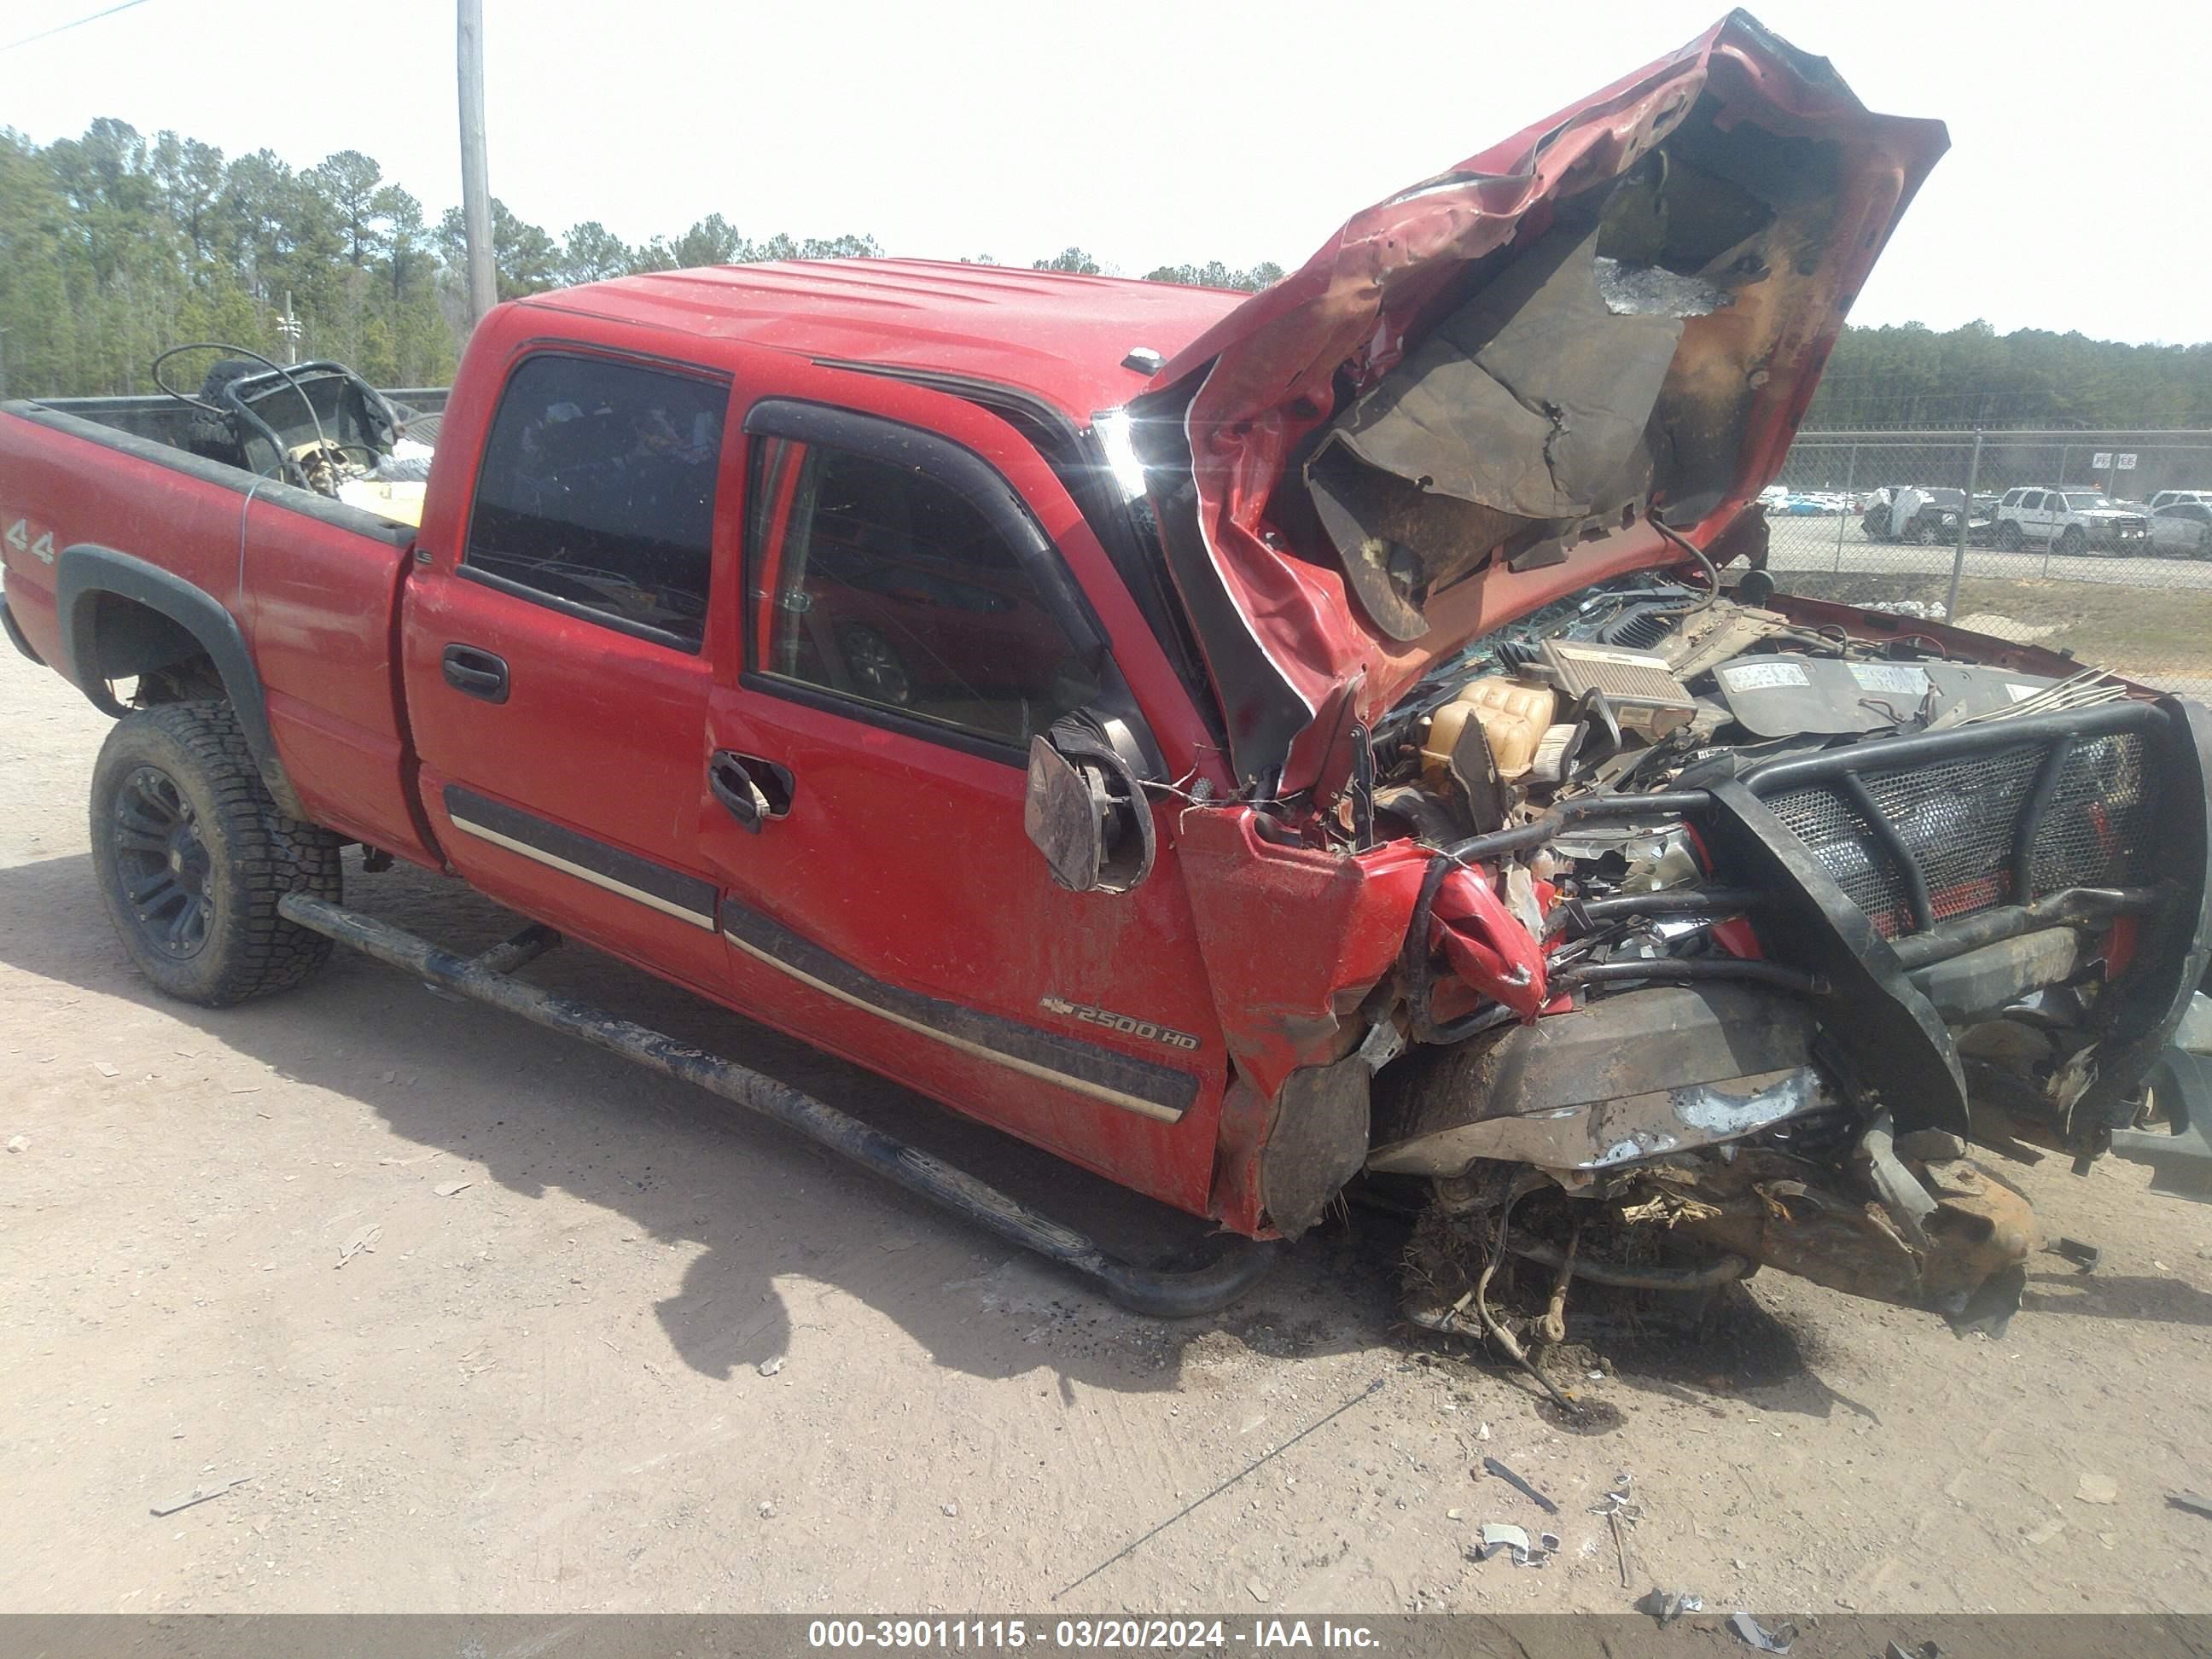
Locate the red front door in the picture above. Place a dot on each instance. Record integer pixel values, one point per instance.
(913, 614)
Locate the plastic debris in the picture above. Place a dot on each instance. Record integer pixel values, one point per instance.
(365, 1240)
(198, 1495)
(770, 1367)
(1918, 1650)
(2043, 1533)
(2093, 1488)
(1667, 1606)
(1759, 1637)
(2191, 1502)
(1492, 1466)
(1498, 1535)
(446, 1189)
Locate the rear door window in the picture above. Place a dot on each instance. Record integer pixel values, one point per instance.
(882, 585)
(597, 494)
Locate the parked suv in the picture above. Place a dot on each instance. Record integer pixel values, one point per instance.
(2070, 521)
(2182, 528)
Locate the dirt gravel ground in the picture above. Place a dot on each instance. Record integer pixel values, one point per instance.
(480, 1321)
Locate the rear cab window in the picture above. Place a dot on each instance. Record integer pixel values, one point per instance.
(596, 494)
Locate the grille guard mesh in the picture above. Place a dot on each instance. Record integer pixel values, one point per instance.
(1961, 820)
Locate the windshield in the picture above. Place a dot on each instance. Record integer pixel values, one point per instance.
(2081, 500)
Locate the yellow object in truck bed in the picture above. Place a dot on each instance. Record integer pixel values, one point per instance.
(401, 502)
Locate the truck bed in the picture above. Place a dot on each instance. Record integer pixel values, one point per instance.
(162, 419)
(295, 597)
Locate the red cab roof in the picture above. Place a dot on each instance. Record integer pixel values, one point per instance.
(1058, 336)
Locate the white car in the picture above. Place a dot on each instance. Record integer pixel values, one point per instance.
(2182, 528)
(2174, 497)
(2070, 521)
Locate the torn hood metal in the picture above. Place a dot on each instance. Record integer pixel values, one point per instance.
(1493, 388)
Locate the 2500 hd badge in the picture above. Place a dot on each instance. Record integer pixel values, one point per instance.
(1127, 1025)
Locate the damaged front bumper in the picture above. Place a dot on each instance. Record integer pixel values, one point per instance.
(1576, 1091)
(1990, 933)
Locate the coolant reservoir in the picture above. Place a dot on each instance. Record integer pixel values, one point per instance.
(1513, 716)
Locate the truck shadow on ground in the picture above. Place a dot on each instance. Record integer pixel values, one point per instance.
(778, 1217)
(2117, 1295)
(1734, 1345)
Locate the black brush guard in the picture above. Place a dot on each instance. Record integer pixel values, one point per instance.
(1875, 858)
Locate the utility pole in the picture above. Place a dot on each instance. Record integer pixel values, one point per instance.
(1965, 513)
(288, 325)
(476, 168)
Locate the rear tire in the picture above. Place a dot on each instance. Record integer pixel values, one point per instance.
(2009, 536)
(192, 856)
(2072, 540)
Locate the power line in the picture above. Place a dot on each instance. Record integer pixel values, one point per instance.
(64, 28)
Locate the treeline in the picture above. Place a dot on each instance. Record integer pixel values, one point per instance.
(114, 247)
(1911, 376)
(1212, 274)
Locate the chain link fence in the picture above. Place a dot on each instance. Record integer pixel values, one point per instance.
(2086, 542)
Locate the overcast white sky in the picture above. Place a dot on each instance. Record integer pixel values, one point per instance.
(1157, 132)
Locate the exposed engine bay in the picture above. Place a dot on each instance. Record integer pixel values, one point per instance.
(1636, 683)
(1750, 927)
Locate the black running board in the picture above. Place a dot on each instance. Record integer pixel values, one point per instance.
(1232, 1265)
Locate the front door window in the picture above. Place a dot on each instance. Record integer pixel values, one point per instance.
(885, 586)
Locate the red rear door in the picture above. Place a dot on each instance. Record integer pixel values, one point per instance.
(913, 613)
(558, 649)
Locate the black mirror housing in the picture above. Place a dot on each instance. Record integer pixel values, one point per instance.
(1086, 811)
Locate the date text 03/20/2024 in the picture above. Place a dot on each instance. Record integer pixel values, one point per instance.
(1167, 1635)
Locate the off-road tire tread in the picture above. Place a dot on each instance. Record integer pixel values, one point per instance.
(268, 855)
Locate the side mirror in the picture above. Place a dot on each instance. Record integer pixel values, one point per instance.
(1087, 813)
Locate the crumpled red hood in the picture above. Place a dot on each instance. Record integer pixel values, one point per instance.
(1271, 373)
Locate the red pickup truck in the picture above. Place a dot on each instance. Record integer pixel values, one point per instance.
(1244, 745)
